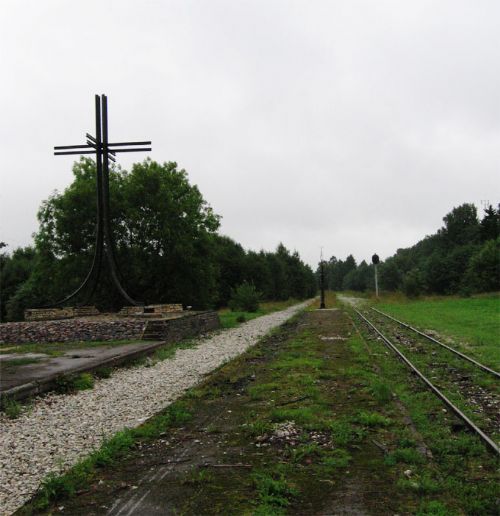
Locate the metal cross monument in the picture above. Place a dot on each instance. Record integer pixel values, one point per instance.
(104, 152)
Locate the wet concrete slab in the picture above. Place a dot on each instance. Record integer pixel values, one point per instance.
(9, 357)
(47, 368)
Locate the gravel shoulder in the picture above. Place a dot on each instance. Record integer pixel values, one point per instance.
(357, 302)
(61, 429)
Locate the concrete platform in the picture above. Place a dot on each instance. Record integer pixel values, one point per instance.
(22, 381)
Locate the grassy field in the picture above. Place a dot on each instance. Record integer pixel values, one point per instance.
(472, 324)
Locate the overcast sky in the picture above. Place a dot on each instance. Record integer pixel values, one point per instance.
(352, 125)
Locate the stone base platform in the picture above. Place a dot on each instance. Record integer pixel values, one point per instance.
(165, 326)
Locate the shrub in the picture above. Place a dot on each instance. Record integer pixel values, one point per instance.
(413, 283)
(12, 408)
(245, 298)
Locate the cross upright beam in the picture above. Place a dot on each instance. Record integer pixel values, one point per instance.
(104, 152)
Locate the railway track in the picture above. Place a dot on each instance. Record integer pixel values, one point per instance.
(435, 341)
(487, 440)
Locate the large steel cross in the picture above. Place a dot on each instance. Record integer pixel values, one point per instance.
(104, 152)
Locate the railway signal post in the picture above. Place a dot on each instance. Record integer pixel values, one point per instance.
(375, 261)
(322, 283)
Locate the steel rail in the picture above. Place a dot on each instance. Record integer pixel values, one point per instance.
(432, 339)
(487, 440)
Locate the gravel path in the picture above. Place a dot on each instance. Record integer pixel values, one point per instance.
(353, 301)
(61, 429)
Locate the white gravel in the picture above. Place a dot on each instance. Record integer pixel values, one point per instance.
(61, 429)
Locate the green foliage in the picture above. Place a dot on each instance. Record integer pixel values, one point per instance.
(12, 408)
(483, 272)
(103, 372)
(273, 489)
(413, 283)
(245, 298)
(166, 242)
(490, 225)
(434, 508)
(381, 391)
(461, 257)
(337, 270)
(83, 382)
(15, 269)
(72, 383)
(405, 455)
(338, 458)
(373, 419)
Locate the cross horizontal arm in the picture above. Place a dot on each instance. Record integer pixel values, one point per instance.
(132, 150)
(74, 152)
(60, 147)
(123, 144)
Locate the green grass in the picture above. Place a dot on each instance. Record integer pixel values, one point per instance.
(405, 455)
(231, 319)
(273, 490)
(12, 408)
(72, 383)
(472, 323)
(372, 419)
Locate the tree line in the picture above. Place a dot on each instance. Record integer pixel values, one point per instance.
(462, 257)
(167, 244)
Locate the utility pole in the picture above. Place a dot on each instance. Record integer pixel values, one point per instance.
(375, 261)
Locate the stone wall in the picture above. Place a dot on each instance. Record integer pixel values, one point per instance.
(44, 314)
(128, 311)
(189, 325)
(73, 330)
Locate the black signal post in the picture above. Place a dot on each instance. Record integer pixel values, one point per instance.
(104, 152)
(376, 261)
(322, 283)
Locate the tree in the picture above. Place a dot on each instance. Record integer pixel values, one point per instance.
(231, 264)
(163, 231)
(390, 275)
(483, 273)
(461, 225)
(413, 283)
(15, 269)
(490, 224)
(166, 240)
